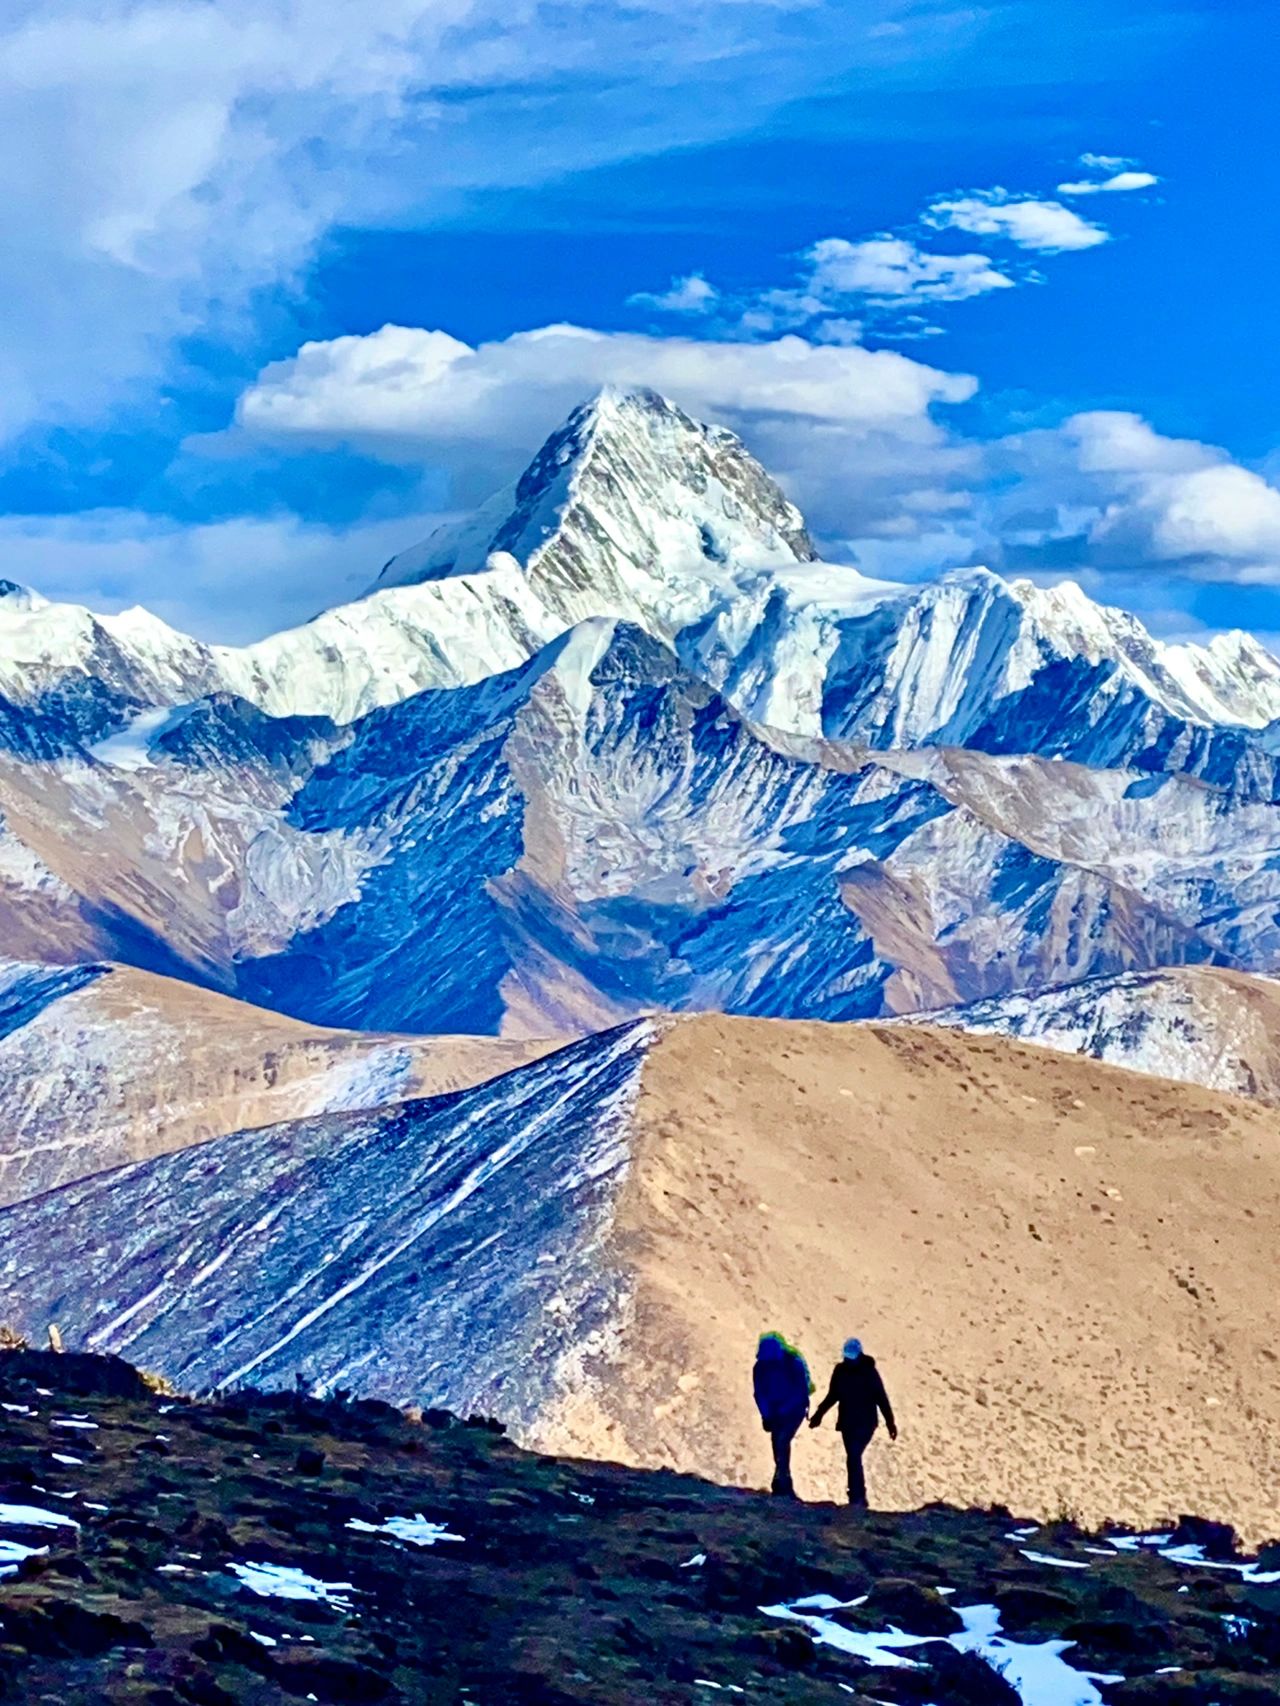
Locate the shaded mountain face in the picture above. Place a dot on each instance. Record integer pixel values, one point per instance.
(622, 743)
(598, 834)
(1056, 1264)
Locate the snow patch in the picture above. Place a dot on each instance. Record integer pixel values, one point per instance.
(415, 1529)
(285, 1581)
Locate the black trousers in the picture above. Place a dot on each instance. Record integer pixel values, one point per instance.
(780, 1437)
(856, 1441)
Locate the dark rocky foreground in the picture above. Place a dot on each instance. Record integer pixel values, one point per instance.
(572, 1582)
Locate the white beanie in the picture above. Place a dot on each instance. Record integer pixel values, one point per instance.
(853, 1349)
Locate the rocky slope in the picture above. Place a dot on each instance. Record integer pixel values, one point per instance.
(259, 1550)
(622, 743)
(1059, 1264)
(103, 1064)
(598, 834)
(1202, 1025)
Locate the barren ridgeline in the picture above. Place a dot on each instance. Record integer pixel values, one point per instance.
(1060, 1266)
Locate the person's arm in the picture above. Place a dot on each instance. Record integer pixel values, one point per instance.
(886, 1408)
(757, 1383)
(815, 1420)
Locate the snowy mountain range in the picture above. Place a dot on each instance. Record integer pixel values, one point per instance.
(621, 742)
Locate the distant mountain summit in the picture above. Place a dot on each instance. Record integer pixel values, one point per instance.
(634, 511)
(623, 743)
(630, 509)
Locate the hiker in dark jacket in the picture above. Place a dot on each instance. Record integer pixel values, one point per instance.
(782, 1387)
(858, 1391)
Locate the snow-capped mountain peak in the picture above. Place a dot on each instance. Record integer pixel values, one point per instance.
(632, 509)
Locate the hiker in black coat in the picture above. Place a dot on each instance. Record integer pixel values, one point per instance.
(856, 1387)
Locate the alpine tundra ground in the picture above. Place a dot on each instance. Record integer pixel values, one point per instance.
(261, 1550)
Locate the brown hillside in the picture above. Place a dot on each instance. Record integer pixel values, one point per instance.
(1065, 1270)
(134, 1065)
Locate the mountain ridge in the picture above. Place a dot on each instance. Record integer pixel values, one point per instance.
(590, 1245)
(634, 511)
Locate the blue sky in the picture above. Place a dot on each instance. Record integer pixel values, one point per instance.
(288, 279)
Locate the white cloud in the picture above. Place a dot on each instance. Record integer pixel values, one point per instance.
(1119, 181)
(228, 581)
(689, 295)
(889, 268)
(1106, 492)
(846, 429)
(404, 391)
(1119, 443)
(1046, 226)
(164, 160)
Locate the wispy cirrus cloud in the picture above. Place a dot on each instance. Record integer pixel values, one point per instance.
(168, 162)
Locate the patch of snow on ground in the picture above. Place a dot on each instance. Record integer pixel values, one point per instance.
(1194, 1557)
(415, 1529)
(367, 1081)
(33, 1516)
(130, 747)
(12, 1553)
(284, 1581)
(1037, 1670)
(1058, 1563)
(876, 1648)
